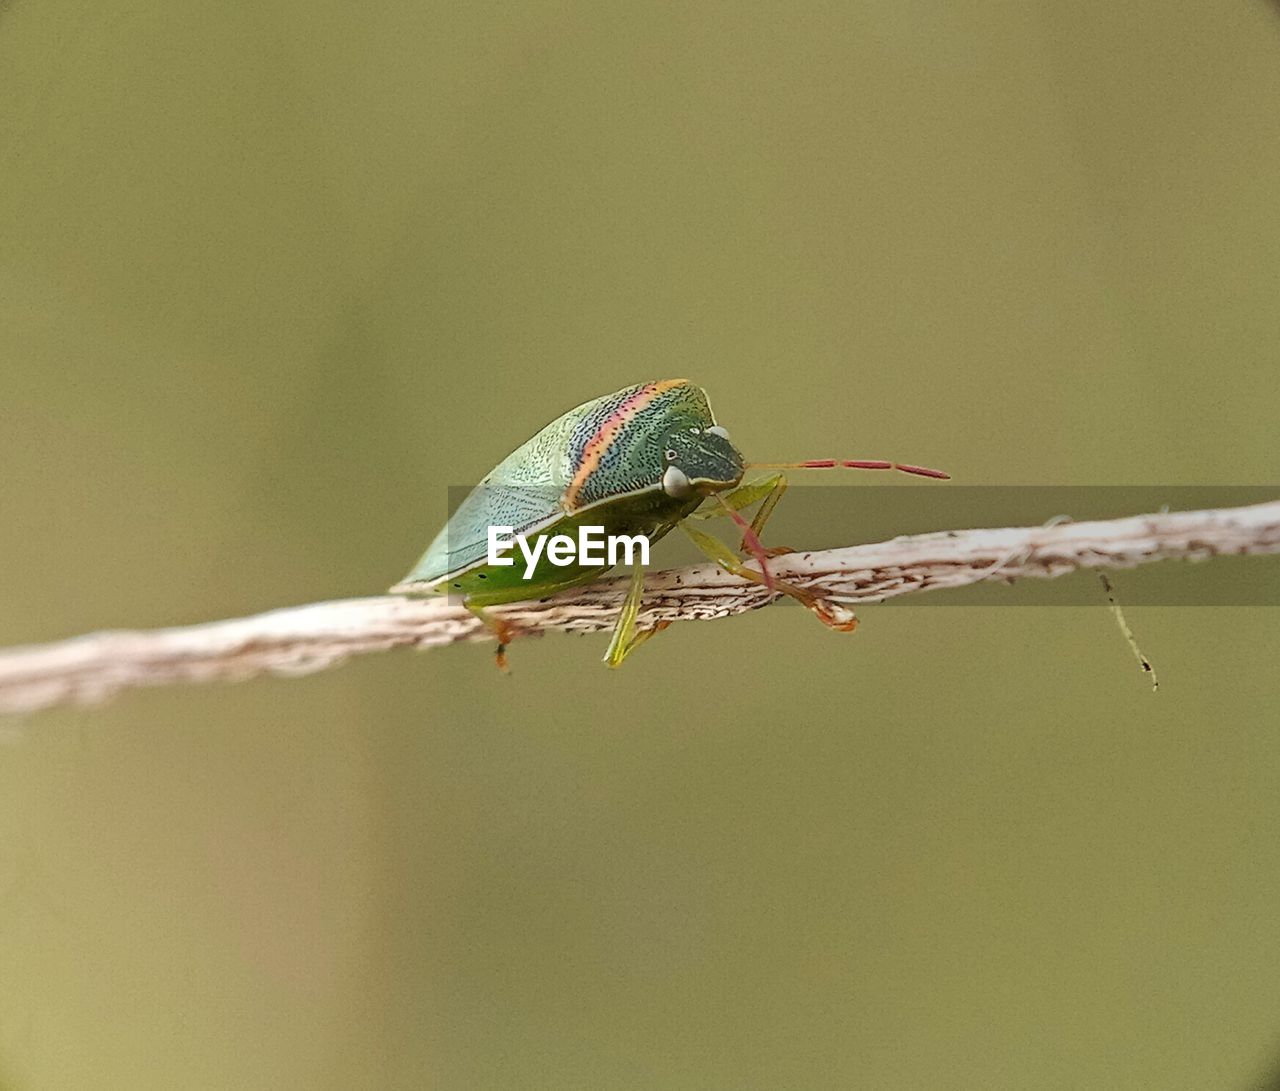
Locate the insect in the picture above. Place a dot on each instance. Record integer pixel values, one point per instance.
(640, 461)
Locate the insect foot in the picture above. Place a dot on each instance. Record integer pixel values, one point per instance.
(504, 630)
(834, 615)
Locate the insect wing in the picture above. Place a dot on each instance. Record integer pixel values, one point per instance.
(464, 541)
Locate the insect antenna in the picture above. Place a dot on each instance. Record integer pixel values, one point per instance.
(852, 464)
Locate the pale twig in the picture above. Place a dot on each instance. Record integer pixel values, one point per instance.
(302, 639)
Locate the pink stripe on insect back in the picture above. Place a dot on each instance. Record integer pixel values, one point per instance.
(609, 428)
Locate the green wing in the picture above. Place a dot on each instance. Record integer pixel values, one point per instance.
(523, 491)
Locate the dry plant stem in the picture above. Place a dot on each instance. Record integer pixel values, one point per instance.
(302, 639)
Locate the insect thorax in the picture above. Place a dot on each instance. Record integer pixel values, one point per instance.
(617, 447)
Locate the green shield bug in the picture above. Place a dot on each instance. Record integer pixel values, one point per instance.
(635, 463)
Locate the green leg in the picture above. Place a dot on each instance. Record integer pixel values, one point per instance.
(767, 489)
(777, 485)
(743, 496)
(626, 638)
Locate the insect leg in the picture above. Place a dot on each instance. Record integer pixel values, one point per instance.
(768, 489)
(776, 486)
(503, 630)
(625, 637)
(725, 557)
(737, 499)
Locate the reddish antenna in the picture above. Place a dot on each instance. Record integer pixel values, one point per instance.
(851, 464)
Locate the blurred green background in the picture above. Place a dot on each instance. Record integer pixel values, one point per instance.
(273, 275)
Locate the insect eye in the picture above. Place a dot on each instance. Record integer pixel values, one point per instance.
(670, 455)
